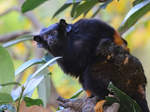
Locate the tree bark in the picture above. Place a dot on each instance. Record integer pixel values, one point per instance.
(83, 105)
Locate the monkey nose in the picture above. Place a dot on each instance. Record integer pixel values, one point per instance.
(37, 38)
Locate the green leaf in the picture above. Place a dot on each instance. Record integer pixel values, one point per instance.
(32, 83)
(13, 42)
(29, 86)
(28, 64)
(111, 100)
(84, 7)
(6, 70)
(33, 80)
(73, 9)
(137, 2)
(49, 63)
(47, 57)
(30, 102)
(127, 104)
(77, 93)
(5, 98)
(104, 5)
(44, 88)
(134, 15)
(96, 12)
(32, 62)
(67, 4)
(31, 4)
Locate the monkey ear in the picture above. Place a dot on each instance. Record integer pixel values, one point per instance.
(63, 24)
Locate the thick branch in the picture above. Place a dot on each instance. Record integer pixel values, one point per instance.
(84, 105)
(11, 36)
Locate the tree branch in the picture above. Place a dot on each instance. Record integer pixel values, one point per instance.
(11, 36)
(15, 8)
(83, 105)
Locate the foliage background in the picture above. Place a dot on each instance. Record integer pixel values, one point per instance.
(138, 37)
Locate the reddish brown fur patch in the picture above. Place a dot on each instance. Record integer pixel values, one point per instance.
(99, 106)
(126, 60)
(119, 41)
(88, 93)
(128, 82)
(109, 56)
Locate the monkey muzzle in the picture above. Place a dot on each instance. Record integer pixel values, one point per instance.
(47, 36)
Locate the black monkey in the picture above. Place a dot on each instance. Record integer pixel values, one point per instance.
(95, 53)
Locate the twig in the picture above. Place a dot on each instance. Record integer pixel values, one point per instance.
(19, 101)
(9, 10)
(10, 83)
(11, 36)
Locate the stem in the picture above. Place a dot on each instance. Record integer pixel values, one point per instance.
(19, 101)
(10, 83)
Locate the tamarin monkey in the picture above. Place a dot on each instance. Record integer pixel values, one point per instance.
(95, 53)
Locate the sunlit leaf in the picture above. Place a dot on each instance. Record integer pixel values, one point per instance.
(29, 86)
(31, 4)
(30, 102)
(134, 15)
(32, 84)
(49, 63)
(15, 93)
(77, 93)
(5, 98)
(47, 57)
(6, 70)
(13, 42)
(33, 80)
(96, 12)
(28, 64)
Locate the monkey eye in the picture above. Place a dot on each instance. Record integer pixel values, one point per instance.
(53, 33)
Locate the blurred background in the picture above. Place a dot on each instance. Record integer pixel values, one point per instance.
(12, 20)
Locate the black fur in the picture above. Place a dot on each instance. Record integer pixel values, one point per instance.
(85, 47)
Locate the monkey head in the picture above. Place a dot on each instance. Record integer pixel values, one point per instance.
(53, 37)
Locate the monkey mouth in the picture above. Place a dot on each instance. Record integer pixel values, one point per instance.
(39, 45)
(39, 41)
(48, 43)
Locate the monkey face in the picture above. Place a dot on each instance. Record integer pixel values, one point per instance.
(47, 37)
(52, 37)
